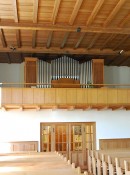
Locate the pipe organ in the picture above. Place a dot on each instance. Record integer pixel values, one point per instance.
(65, 67)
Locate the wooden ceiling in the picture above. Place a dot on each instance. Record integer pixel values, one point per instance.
(81, 29)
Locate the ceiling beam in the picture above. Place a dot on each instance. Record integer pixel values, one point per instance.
(114, 12)
(64, 40)
(55, 11)
(16, 19)
(35, 10)
(95, 38)
(34, 34)
(80, 40)
(3, 38)
(67, 28)
(94, 12)
(9, 59)
(49, 39)
(66, 50)
(121, 42)
(75, 11)
(18, 39)
(109, 39)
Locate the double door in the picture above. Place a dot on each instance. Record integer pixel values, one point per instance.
(70, 139)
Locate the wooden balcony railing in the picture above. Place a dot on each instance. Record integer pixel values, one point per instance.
(65, 98)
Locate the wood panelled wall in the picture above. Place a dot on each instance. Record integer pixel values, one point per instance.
(122, 143)
(19, 146)
(74, 96)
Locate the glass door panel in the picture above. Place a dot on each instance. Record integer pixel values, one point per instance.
(46, 138)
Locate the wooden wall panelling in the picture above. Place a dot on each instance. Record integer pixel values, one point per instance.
(128, 96)
(80, 96)
(98, 71)
(17, 96)
(122, 143)
(92, 96)
(28, 95)
(60, 96)
(71, 96)
(112, 96)
(50, 95)
(6, 94)
(122, 96)
(30, 71)
(38, 96)
(102, 95)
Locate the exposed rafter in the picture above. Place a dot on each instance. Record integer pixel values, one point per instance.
(114, 12)
(3, 38)
(109, 39)
(93, 41)
(55, 10)
(124, 21)
(64, 40)
(121, 42)
(75, 11)
(15, 11)
(34, 34)
(18, 38)
(35, 11)
(95, 11)
(80, 40)
(49, 39)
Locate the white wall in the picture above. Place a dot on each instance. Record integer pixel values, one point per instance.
(11, 73)
(25, 125)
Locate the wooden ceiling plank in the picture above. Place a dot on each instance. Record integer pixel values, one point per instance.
(62, 28)
(16, 19)
(122, 41)
(65, 40)
(108, 40)
(49, 39)
(55, 10)
(80, 40)
(3, 38)
(18, 38)
(75, 11)
(35, 11)
(96, 37)
(94, 12)
(123, 61)
(34, 34)
(114, 12)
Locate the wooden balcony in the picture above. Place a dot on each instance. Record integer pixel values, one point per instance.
(65, 98)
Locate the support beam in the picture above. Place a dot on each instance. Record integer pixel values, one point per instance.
(64, 40)
(80, 40)
(34, 34)
(49, 39)
(125, 20)
(35, 10)
(93, 41)
(9, 59)
(114, 12)
(18, 39)
(75, 11)
(15, 11)
(94, 12)
(121, 42)
(67, 28)
(3, 38)
(55, 11)
(109, 39)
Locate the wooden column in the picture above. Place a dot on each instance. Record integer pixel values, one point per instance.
(98, 71)
(30, 71)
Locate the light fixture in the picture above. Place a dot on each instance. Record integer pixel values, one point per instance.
(121, 52)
